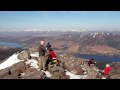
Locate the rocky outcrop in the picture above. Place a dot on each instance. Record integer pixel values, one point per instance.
(77, 70)
(4, 72)
(15, 70)
(19, 67)
(28, 69)
(11, 77)
(92, 74)
(71, 63)
(24, 55)
(57, 72)
(33, 49)
(34, 75)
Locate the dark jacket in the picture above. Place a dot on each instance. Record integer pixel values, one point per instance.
(48, 45)
(42, 50)
(91, 62)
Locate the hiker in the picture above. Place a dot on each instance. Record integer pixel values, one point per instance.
(51, 58)
(42, 49)
(105, 72)
(43, 55)
(48, 46)
(107, 69)
(91, 62)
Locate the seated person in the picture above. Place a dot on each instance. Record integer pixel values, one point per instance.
(52, 57)
(91, 62)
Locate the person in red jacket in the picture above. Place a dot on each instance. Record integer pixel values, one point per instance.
(107, 69)
(51, 57)
(52, 54)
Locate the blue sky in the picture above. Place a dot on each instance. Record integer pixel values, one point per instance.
(21, 20)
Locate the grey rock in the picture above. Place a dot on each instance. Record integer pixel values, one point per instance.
(25, 55)
(34, 75)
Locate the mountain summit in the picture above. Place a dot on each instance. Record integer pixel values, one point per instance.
(24, 65)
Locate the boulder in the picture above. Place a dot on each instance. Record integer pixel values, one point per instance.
(4, 72)
(57, 72)
(77, 70)
(13, 76)
(34, 75)
(73, 66)
(13, 72)
(18, 68)
(27, 66)
(33, 49)
(67, 66)
(24, 55)
(92, 74)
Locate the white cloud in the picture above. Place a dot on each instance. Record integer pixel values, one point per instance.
(104, 13)
(31, 30)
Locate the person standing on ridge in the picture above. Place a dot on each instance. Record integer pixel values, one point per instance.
(48, 46)
(42, 49)
(43, 55)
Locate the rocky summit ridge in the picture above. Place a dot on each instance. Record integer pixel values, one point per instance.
(24, 65)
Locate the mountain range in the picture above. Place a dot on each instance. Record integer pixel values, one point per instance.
(85, 42)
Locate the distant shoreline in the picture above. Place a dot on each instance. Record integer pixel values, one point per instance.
(11, 44)
(103, 58)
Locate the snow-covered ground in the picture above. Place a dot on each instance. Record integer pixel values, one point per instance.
(10, 61)
(47, 73)
(73, 76)
(35, 54)
(33, 63)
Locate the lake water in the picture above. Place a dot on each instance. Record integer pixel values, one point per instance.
(101, 60)
(10, 44)
(100, 57)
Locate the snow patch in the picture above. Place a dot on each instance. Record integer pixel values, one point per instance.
(81, 35)
(95, 35)
(22, 74)
(103, 78)
(61, 55)
(91, 34)
(72, 76)
(33, 63)
(107, 33)
(35, 54)
(10, 61)
(47, 73)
